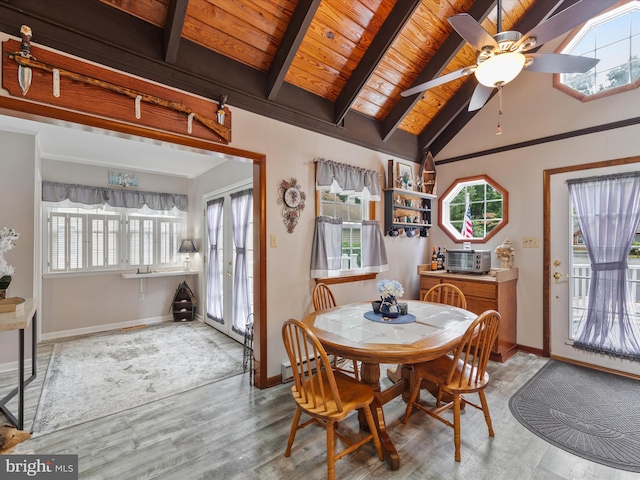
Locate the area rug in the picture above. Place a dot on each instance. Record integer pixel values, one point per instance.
(592, 414)
(106, 374)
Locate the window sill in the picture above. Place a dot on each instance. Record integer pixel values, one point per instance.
(356, 277)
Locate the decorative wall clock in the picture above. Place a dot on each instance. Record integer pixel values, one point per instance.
(291, 197)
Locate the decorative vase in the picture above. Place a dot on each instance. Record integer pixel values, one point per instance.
(389, 307)
(4, 284)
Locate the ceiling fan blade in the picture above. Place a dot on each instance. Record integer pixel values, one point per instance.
(480, 96)
(560, 63)
(564, 21)
(471, 31)
(438, 81)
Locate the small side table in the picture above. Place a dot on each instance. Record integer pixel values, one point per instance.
(20, 320)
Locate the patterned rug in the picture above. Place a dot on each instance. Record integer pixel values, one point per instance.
(592, 414)
(106, 374)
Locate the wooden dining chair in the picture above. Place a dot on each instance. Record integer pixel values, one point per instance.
(464, 372)
(322, 300)
(446, 293)
(325, 395)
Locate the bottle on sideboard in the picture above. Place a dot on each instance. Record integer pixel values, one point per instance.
(434, 260)
(440, 259)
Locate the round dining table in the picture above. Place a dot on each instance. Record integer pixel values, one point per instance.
(354, 331)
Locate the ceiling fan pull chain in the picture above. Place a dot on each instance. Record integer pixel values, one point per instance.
(499, 129)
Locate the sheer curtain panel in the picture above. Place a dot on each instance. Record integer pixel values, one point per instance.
(241, 210)
(326, 248)
(374, 252)
(608, 212)
(214, 276)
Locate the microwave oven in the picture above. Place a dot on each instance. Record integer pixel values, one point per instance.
(468, 261)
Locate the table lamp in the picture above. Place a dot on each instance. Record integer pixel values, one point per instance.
(187, 247)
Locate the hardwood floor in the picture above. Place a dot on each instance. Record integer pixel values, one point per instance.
(229, 430)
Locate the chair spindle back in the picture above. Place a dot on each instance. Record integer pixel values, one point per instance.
(447, 294)
(322, 297)
(313, 377)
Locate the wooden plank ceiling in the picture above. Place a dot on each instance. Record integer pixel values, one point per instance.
(349, 57)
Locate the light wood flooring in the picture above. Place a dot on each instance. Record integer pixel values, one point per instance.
(229, 430)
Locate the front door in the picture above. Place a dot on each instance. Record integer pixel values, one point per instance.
(226, 277)
(570, 274)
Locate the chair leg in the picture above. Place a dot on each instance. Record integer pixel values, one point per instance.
(374, 431)
(412, 397)
(456, 424)
(331, 454)
(294, 429)
(356, 374)
(485, 410)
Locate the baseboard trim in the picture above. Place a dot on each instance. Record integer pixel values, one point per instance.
(596, 367)
(535, 351)
(104, 328)
(13, 367)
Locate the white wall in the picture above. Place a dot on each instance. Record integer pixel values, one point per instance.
(18, 160)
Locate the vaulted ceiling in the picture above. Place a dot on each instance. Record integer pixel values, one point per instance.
(333, 66)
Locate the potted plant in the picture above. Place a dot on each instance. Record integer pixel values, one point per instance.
(7, 236)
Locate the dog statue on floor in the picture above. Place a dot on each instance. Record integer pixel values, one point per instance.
(10, 436)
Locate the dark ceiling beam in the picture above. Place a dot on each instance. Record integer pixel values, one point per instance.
(296, 30)
(450, 121)
(131, 45)
(176, 13)
(479, 10)
(389, 31)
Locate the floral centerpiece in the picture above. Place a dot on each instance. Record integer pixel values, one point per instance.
(390, 291)
(7, 236)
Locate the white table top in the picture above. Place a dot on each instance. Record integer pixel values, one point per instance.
(19, 319)
(344, 330)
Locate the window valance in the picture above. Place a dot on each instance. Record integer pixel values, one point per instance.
(114, 197)
(342, 178)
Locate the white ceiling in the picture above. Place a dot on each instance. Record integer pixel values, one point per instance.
(71, 142)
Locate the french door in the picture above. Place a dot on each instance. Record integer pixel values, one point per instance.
(229, 261)
(571, 273)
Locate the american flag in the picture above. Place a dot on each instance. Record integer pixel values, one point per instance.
(467, 228)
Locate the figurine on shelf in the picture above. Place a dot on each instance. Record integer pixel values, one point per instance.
(505, 254)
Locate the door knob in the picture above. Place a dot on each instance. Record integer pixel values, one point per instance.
(558, 275)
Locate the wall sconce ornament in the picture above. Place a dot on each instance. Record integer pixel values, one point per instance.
(291, 197)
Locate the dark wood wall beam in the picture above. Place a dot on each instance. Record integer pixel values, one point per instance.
(71, 27)
(177, 11)
(296, 30)
(442, 130)
(390, 29)
(479, 10)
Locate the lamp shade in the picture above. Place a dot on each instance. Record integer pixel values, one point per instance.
(500, 69)
(187, 246)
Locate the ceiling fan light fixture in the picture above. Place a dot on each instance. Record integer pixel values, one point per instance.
(500, 69)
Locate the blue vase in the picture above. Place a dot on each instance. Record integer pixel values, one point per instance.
(389, 307)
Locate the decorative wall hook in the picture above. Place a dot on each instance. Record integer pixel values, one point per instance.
(221, 113)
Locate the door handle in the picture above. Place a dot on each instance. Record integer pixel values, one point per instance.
(558, 275)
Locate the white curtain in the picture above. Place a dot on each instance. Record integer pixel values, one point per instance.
(326, 248)
(214, 280)
(374, 253)
(608, 212)
(241, 210)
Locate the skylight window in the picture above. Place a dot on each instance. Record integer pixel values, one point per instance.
(614, 38)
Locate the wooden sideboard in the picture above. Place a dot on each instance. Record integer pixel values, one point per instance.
(484, 292)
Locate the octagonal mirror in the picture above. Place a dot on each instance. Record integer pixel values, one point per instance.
(473, 209)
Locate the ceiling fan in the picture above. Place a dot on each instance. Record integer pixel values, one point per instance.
(501, 57)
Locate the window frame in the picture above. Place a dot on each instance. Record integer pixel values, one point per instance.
(118, 246)
(350, 275)
(603, 18)
(443, 202)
